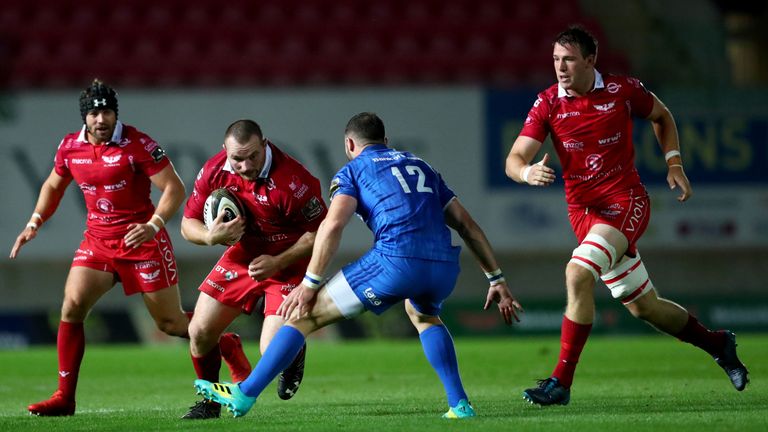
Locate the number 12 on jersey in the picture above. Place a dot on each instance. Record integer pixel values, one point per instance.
(414, 171)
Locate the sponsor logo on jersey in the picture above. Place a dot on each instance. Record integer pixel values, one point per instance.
(636, 215)
(111, 160)
(150, 277)
(298, 188)
(88, 189)
(371, 296)
(64, 374)
(610, 140)
(166, 250)
(116, 187)
(606, 107)
(261, 199)
(81, 161)
(146, 264)
(200, 174)
(613, 88)
(105, 205)
(312, 209)
(228, 274)
(536, 102)
(270, 184)
(528, 120)
(287, 288)
(273, 238)
(573, 145)
(594, 162)
(216, 286)
(568, 114)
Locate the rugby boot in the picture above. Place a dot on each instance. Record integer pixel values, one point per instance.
(729, 361)
(548, 392)
(289, 380)
(462, 410)
(226, 394)
(202, 410)
(234, 356)
(57, 405)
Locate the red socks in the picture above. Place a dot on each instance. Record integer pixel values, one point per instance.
(70, 343)
(207, 367)
(573, 337)
(697, 335)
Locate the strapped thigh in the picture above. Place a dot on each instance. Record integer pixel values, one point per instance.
(594, 254)
(629, 280)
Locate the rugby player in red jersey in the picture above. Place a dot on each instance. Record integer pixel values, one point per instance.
(589, 117)
(125, 240)
(268, 247)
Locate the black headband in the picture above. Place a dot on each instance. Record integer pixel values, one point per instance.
(97, 96)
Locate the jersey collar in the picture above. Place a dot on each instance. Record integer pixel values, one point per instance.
(264, 170)
(116, 135)
(599, 83)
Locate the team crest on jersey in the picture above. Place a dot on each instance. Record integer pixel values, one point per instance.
(150, 277)
(605, 107)
(111, 160)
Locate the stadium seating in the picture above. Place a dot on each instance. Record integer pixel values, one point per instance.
(63, 43)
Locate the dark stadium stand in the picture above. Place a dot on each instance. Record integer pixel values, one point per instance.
(63, 43)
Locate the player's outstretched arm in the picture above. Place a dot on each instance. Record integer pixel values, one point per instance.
(458, 218)
(47, 202)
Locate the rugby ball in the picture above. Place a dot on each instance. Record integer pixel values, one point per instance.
(221, 200)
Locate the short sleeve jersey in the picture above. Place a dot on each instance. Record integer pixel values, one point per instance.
(401, 199)
(280, 206)
(592, 136)
(113, 177)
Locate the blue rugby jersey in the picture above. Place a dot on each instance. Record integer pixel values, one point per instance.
(401, 199)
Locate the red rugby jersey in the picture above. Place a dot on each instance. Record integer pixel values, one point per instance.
(113, 177)
(283, 204)
(592, 136)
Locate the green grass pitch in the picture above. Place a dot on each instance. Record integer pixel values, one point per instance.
(641, 383)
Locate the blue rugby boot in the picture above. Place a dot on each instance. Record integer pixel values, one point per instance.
(462, 410)
(731, 364)
(548, 392)
(226, 394)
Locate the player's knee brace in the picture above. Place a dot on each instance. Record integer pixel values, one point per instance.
(594, 254)
(629, 280)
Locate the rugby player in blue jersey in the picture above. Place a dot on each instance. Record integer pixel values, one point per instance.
(409, 208)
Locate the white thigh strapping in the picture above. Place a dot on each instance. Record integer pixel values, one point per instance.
(629, 280)
(343, 296)
(594, 254)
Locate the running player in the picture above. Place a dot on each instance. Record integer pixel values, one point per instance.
(589, 117)
(407, 206)
(268, 249)
(114, 165)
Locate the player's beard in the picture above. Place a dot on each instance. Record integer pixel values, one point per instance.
(102, 133)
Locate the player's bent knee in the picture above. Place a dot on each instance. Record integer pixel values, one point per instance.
(595, 254)
(628, 282)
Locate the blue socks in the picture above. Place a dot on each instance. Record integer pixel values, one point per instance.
(278, 356)
(438, 347)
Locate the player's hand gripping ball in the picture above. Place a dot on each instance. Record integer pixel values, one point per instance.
(221, 200)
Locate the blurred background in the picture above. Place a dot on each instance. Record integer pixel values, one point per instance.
(452, 79)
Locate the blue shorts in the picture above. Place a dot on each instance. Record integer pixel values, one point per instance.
(375, 282)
